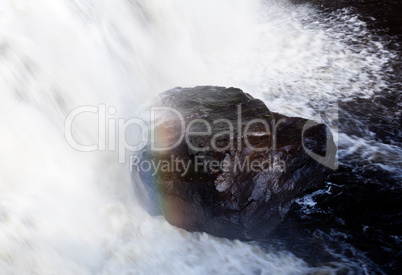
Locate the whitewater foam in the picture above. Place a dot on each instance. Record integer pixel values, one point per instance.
(69, 212)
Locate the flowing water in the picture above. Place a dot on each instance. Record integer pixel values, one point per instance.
(63, 211)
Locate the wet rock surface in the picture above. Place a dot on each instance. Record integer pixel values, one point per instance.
(231, 167)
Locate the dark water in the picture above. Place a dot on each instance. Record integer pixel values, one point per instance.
(381, 15)
(356, 222)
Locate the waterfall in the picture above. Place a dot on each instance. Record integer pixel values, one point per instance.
(69, 212)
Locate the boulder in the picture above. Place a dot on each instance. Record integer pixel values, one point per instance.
(220, 162)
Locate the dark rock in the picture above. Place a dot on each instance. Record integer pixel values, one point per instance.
(261, 172)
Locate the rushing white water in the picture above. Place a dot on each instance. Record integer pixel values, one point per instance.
(69, 212)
